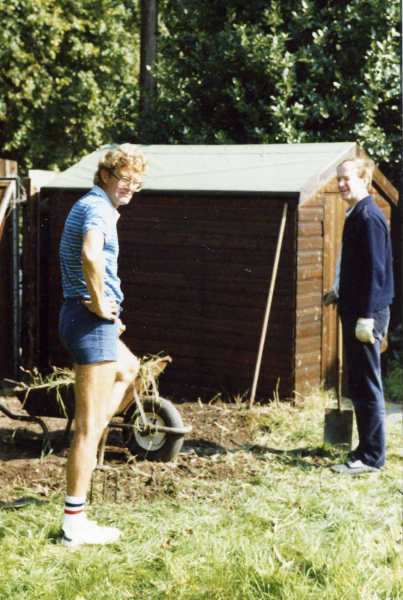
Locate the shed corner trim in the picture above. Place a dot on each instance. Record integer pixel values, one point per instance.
(318, 181)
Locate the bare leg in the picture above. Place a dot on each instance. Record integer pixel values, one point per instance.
(122, 393)
(102, 390)
(94, 384)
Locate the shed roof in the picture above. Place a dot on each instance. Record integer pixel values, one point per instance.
(299, 169)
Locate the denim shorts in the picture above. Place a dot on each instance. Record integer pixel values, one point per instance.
(87, 337)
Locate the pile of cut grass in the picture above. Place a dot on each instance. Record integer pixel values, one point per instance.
(293, 530)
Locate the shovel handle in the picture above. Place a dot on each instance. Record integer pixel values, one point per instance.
(339, 362)
(268, 305)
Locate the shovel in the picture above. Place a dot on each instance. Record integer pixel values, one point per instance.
(338, 423)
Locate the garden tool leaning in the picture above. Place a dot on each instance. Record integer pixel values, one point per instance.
(339, 423)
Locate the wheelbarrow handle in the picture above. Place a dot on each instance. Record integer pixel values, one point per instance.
(154, 428)
(21, 383)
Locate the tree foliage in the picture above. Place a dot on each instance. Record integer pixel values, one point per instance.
(69, 71)
(282, 71)
(229, 72)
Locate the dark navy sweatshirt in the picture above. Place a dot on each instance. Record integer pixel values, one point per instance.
(366, 276)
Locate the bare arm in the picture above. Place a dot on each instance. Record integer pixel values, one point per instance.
(94, 269)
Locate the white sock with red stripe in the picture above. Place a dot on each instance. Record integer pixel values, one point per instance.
(73, 512)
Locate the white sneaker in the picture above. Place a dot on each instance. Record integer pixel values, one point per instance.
(89, 533)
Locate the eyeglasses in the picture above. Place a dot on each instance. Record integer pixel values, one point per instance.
(127, 182)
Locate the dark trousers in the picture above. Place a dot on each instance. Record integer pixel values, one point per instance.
(365, 389)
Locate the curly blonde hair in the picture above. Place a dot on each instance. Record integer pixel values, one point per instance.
(125, 155)
(365, 168)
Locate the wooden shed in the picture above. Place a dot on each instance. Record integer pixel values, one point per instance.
(196, 253)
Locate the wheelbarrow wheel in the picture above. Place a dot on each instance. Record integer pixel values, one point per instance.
(154, 446)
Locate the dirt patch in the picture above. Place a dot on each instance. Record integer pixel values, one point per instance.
(220, 431)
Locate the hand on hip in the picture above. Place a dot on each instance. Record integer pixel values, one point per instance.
(106, 309)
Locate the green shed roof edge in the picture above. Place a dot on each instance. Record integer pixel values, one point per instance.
(289, 165)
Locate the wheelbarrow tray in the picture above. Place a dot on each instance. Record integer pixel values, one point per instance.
(48, 401)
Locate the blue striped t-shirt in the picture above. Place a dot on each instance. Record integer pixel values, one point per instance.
(92, 211)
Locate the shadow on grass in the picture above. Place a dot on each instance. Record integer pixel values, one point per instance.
(294, 458)
(203, 447)
(22, 502)
(318, 455)
(22, 443)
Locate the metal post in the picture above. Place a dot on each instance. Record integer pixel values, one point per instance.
(16, 284)
(400, 206)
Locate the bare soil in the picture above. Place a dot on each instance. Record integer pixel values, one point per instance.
(220, 430)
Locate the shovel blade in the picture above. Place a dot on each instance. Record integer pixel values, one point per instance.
(339, 427)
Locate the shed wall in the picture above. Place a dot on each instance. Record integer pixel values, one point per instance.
(308, 336)
(195, 274)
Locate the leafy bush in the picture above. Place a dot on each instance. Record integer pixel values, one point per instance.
(393, 380)
(259, 72)
(229, 72)
(69, 70)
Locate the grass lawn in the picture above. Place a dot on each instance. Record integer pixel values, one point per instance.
(290, 529)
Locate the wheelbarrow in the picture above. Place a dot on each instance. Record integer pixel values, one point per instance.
(151, 426)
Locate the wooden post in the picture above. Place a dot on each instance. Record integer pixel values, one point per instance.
(8, 168)
(148, 54)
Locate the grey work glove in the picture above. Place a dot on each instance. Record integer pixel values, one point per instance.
(364, 330)
(330, 298)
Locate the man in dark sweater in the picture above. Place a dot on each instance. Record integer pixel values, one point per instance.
(363, 289)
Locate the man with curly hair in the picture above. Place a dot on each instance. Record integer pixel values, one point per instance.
(90, 327)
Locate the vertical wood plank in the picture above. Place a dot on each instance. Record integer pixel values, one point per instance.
(8, 168)
(305, 376)
(333, 228)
